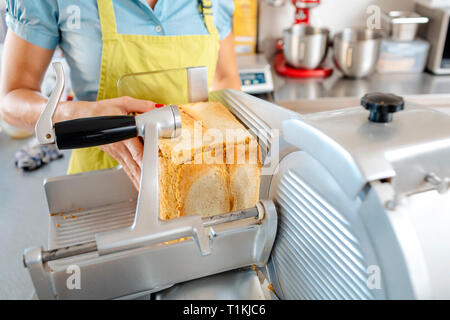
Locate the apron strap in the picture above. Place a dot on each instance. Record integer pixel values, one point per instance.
(107, 18)
(205, 8)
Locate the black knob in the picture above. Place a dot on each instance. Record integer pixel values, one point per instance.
(382, 105)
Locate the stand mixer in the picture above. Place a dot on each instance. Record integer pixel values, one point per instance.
(298, 59)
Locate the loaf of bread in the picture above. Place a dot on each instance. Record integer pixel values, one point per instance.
(213, 167)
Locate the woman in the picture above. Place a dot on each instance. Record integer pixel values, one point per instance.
(103, 40)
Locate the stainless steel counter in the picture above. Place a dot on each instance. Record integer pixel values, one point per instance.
(289, 89)
(337, 91)
(23, 216)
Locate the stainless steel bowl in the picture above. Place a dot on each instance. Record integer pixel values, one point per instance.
(304, 46)
(356, 51)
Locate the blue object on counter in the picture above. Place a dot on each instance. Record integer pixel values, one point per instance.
(403, 56)
(33, 156)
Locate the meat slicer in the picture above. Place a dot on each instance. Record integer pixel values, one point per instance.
(354, 205)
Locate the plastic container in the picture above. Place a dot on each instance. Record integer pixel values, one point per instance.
(403, 56)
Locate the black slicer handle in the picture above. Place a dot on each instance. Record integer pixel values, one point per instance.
(95, 131)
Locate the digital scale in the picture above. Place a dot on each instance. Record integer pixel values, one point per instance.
(255, 74)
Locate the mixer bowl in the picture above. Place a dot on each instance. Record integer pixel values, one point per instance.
(356, 51)
(304, 46)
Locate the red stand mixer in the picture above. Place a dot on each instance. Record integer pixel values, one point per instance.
(285, 65)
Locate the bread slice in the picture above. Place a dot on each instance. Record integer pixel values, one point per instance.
(244, 185)
(245, 174)
(192, 189)
(203, 189)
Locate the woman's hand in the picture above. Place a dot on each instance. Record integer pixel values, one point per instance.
(119, 106)
(128, 152)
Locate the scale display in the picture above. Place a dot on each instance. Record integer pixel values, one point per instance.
(248, 79)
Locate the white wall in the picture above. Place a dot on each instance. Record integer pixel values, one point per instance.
(333, 14)
(338, 14)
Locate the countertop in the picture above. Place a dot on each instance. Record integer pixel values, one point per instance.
(291, 89)
(23, 216)
(337, 91)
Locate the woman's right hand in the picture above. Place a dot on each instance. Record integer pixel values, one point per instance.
(128, 152)
(120, 106)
